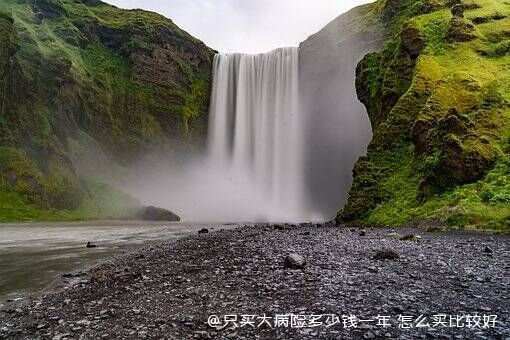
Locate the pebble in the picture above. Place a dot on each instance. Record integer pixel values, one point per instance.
(241, 272)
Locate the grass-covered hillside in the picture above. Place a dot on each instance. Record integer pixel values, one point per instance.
(438, 96)
(75, 73)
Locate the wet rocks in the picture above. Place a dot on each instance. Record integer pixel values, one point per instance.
(90, 245)
(410, 237)
(386, 254)
(488, 250)
(294, 261)
(158, 214)
(169, 290)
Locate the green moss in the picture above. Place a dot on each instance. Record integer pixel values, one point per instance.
(69, 67)
(14, 208)
(441, 123)
(106, 201)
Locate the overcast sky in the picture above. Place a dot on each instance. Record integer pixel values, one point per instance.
(247, 26)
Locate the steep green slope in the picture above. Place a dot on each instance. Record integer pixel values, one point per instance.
(438, 96)
(129, 81)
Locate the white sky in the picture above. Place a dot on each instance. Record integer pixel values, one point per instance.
(247, 26)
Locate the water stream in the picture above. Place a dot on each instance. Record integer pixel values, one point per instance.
(32, 255)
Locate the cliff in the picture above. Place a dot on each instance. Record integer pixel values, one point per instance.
(81, 75)
(438, 97)
(337, 126)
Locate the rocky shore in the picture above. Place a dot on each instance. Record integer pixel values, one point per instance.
(282, 282)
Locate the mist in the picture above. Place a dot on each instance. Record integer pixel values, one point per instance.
(338, 127)
(270, 168)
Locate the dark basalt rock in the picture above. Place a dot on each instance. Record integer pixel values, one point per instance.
(455, 123)
(480, 20)
(90, 245)
(421, 129)
(451, 3)
(458, 10)
(386, 254)
(49, 8)
(412, 40)
(295, 261)
(410, 237)
(158, 214)
(463, 164)
(461, 30)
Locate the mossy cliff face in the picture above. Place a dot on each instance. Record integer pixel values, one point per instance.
(438, 98)
(130, 81)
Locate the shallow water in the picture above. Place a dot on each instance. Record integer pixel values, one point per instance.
(32, 255)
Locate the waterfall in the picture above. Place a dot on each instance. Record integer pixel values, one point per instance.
(255, 131)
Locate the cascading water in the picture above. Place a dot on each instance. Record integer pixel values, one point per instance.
(280, 149)
(255, 130)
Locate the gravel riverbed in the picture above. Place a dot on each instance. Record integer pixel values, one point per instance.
(447, 285)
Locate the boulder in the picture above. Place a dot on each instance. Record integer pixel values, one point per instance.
(90, 245)
(458, 10)
(295, 261)
(386, 254)
(410, 237)
(488, 250)
(158, 214)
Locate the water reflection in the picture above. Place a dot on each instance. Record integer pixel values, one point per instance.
(33, 254)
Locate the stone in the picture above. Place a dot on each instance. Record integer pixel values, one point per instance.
(295, 261)
(83, 322)
(363, 233)
(90, 245)
(386, 254)
(158, 214)
(410, 237)
(203, 231)
(278, 227)
(458, 10)
(488, 250)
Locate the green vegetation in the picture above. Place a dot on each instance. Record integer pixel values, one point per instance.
(131, 80)
(438, 96)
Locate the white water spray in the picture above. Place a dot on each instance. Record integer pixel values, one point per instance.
(255, 131)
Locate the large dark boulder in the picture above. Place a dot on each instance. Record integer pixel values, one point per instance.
(158, 214)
